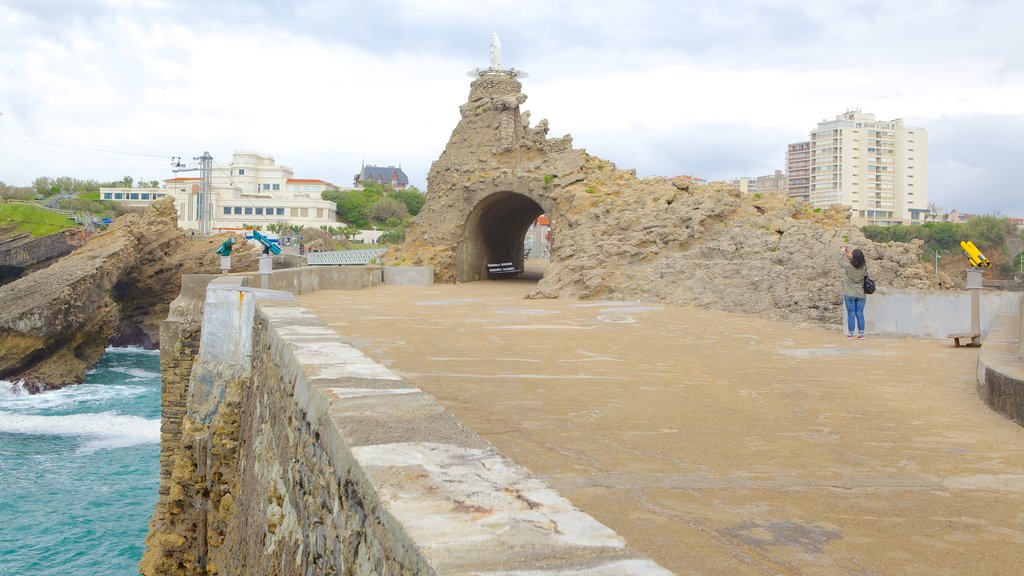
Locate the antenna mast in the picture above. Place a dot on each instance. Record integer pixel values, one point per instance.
(204, 202)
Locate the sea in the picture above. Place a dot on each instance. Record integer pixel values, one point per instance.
(79, 470)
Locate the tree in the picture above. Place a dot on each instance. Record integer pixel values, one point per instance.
(988, 231)
(387, 209)
(42, 186)
(393, 236)
(354, 205)
(941, 235)
(411, 197)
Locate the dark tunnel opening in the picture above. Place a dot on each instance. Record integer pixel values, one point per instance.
(494, 232)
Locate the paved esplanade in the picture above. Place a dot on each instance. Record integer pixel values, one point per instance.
(718, 443)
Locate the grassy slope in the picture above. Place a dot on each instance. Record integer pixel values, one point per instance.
(31, 219)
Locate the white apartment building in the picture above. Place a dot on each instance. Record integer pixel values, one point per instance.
(878, 168)
(250, 191)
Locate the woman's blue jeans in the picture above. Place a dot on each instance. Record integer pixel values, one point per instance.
(854, 312)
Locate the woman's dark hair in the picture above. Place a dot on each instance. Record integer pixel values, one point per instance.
(857, 258)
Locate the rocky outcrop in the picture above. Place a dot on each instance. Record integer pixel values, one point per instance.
(615, 236)
(23, 253)
(55, 323)
(670, 241)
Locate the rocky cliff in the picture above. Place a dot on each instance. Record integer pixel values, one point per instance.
(615, 236)
(24, 253)
(115, 289)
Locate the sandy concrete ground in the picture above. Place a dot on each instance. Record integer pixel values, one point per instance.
(718, 443)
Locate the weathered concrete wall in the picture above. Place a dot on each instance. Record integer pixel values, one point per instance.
(409, 275)
(313, 278)
(1001, 366)
(932, 313)
(297, 454)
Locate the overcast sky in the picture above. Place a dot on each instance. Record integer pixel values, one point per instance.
(103, 89)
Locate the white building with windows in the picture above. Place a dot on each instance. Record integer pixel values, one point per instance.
(878, 168)
(250, 191)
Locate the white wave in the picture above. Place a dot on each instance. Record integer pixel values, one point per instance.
(67, 397)
(10, 389)
(131, 350)
(103, 430)
(137, 373)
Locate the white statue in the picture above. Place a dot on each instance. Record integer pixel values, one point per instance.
(495, 52)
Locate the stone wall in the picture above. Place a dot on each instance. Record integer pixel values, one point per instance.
(294, 453)
(1001, 366)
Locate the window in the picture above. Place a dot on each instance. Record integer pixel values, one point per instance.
(241, 171)
(107, 196)
(277, 187)
(145, 195)
(238, 210)
(227, 210)
(280, 211)
(118, 196)
(259, 210)
(135, 195)
(248, 210)
(266, 186)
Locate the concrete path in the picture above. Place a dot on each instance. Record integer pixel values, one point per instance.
(718, 443)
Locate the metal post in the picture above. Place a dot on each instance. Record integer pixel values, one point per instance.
(974, 285)
(206, 193)
(266, 268)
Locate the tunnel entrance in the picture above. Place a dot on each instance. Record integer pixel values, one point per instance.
(494, 232)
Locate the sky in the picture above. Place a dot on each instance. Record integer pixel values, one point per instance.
(102, 89)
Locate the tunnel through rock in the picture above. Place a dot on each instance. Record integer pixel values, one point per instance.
(494, 232)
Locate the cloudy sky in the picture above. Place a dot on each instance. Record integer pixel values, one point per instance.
(106, 88)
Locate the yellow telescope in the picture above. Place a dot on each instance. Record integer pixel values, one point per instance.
(977, 259)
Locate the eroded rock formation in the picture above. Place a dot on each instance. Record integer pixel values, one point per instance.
(24, 253)
(55, 323)
(615, 236)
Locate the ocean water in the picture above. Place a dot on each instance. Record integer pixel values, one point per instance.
(79, 470)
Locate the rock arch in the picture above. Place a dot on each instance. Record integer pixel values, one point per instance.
(494, 232)
(495, 177)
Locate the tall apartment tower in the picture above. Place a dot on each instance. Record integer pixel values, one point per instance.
(878, 168)
(798, 170)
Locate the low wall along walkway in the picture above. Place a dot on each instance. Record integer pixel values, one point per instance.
(1001, 366)
(290, 452)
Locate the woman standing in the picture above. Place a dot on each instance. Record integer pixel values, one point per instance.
(854, 269)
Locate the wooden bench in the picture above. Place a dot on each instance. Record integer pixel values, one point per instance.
(502, 270)
(960, 335)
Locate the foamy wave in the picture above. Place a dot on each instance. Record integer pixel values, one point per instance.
(10, 389)
(103, 430)
(65, 398)
(131, 350)
(137, 373)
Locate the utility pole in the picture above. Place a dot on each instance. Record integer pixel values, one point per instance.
(204, 202)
